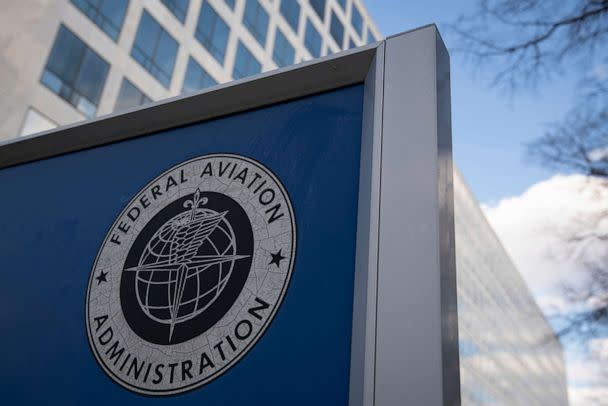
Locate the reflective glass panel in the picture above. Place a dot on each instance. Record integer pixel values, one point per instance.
(75, 72)
(106, 14)
(212, 32)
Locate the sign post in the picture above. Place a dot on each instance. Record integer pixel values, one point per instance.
(282, 239)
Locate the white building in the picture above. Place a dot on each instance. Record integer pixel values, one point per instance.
(63, 61)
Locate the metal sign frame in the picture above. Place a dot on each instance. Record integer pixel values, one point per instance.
(404, 347)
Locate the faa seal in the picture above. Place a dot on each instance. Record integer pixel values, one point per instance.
(190, 274)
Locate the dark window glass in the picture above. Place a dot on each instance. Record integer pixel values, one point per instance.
(283, 53)
(319, 7)
(245, 63)
(230, 3)
(130, 96)
(337, 29)
(179, 8)
(342, 4)
(106, 14)
(196, 78)
(357, 20)
(154, 49)
(290, 9)
(212, 32)
(370, 37)
(256, 20)
(312, 40)
(75, 72)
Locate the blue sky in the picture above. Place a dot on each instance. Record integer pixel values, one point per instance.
(490, 126)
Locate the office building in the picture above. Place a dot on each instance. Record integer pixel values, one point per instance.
(66, 61)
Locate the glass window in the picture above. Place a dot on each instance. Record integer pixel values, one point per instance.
(245, 63)
(212, 32)
(155, 49)
(196, 78)
(370, 36)
(342, 4)
(351, 44)
(337, 29)
(106, 14)
(256, 20)
(283, 53)
(290, 9)
(230, 3)
(179, 8)
(319, 7)
(75, 72)
(357, 20)
(312, 40)
(130, 96)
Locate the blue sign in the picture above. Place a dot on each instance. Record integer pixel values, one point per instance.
(212, 263)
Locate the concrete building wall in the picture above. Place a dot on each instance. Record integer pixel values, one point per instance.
(29, 28)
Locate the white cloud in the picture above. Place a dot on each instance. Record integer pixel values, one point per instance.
(534, 227)
(588, 396)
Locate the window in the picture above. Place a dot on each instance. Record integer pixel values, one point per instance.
(155, 49)
(283, 53)
(290, 9)
(196, 78)
(337, 29)
(342, 4)
(370, 36)
(319, 7)
(106, 14)
(351, 44)
(230, 3)
(245, 63)
(212, 32)
(179, 8)
(75, 72)
(357, 20)
(130, 96)
(256, 20)
(312, 40)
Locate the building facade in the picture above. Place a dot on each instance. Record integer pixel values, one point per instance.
(509, 354)
(64, 61)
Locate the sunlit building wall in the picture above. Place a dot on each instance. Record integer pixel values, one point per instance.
(64, 61)
(509, 354)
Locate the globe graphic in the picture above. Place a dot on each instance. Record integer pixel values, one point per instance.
(185, 266)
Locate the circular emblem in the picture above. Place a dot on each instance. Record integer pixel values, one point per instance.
(191, 274)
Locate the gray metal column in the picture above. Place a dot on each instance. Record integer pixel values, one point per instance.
(416, 357)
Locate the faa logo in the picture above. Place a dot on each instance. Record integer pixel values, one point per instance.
(190, 274)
